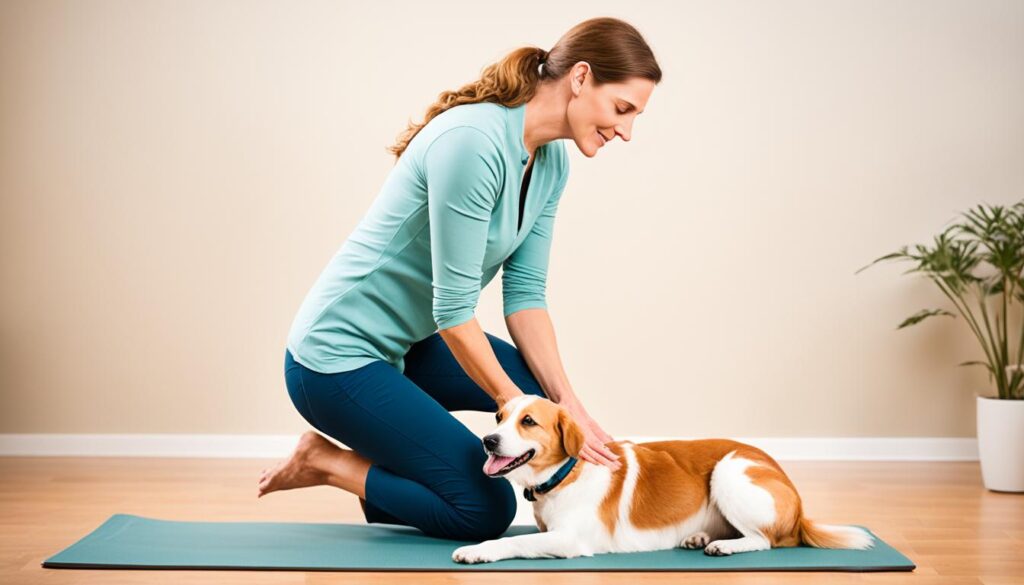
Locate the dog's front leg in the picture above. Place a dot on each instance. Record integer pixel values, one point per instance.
(552, 544)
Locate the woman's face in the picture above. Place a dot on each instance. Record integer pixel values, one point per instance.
(604, 111)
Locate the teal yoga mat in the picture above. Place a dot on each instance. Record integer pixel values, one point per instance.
(126, 541)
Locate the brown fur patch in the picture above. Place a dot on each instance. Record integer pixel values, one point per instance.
(572, 435)
(666, 492)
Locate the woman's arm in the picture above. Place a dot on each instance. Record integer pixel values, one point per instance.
(534, 335)
(463, 171)
(472, 349)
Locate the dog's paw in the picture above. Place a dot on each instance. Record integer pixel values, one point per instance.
(718, 548)
(477, 553)
(697, 540)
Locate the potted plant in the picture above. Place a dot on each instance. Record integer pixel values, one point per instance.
(981, 259)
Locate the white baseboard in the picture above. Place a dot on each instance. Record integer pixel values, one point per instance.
(274, 446)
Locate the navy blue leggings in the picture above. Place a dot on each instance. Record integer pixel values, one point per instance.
(427, 469)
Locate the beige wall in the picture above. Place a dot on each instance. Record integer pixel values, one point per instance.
(174, 175)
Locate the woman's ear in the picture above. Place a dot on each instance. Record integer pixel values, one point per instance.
(572, 434)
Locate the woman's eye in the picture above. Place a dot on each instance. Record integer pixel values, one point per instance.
(620, 111)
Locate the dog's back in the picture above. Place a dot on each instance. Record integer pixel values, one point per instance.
(699, 457)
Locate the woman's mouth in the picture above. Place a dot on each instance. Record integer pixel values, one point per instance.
(500, 465)
(603, 139)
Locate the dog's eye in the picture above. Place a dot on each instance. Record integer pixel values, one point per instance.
(497, 417)
(528, 421)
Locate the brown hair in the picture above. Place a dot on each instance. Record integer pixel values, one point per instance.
(614, 49)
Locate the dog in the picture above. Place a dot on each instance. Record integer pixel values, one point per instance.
(720, 495)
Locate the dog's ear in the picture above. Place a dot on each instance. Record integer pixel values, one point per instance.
(572, 434)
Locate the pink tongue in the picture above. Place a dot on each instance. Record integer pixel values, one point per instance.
(496, 462)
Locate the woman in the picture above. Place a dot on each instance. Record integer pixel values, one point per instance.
(386, 344)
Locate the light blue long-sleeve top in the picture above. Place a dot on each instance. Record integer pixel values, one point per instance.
(442, 224)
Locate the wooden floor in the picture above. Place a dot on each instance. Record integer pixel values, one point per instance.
(938, 514)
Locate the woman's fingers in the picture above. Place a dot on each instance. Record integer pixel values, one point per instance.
(601, 458)
(604, 452)
(594, 449)
(595, 429)
(588, 454)
(600, 444)
(609, 453)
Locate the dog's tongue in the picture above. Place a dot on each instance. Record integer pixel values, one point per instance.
(496, 462)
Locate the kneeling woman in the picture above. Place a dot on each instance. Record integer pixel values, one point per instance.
(386, 343)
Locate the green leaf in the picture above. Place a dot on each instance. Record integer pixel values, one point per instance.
(922, 315)
(902, 253)
(986, 365)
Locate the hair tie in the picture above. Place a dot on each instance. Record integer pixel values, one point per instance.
(543, 56)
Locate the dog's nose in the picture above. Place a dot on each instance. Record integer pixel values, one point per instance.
(491, 442)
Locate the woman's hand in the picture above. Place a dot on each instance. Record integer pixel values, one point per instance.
(594, 449)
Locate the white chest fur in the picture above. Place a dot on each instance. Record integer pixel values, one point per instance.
(574, 507)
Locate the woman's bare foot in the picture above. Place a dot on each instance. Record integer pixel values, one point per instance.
(304, 468)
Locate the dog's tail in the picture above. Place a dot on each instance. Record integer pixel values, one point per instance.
(834, 536)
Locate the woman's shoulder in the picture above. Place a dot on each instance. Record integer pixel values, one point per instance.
(485, 117)
(480, 112)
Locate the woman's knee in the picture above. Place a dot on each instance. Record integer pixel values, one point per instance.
(293, 382)
(491, 515)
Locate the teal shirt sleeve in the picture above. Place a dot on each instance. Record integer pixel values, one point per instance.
(464, 172)
(524, 273)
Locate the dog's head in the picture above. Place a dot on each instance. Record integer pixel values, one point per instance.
(533, 435)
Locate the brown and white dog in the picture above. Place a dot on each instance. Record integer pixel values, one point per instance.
(720, 495)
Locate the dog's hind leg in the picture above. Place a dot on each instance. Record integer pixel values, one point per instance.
(714, 527)
(748, 507)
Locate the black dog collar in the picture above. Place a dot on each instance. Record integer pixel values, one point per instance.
(550, 483)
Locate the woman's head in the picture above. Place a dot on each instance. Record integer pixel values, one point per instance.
(601, 64)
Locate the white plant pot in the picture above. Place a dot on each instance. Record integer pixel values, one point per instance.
(1001, 443)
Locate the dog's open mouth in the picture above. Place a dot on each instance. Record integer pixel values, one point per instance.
(500, 465)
